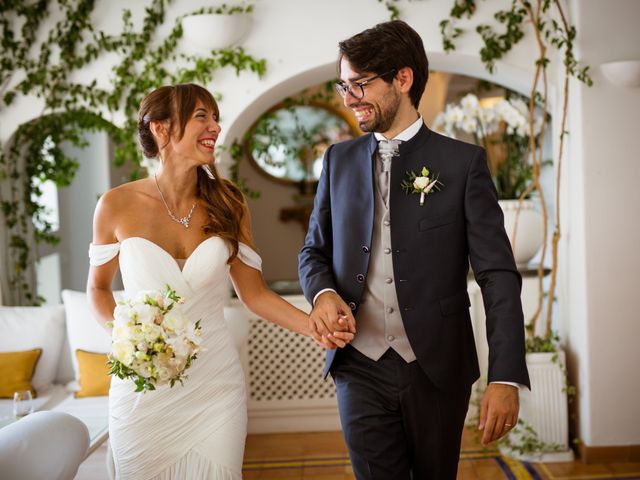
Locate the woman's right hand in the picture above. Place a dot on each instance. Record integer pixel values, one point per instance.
(331, 321)
(333, 340)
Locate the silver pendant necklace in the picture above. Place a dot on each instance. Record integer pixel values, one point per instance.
(184, 221)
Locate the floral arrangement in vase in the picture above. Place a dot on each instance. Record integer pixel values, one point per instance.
(502, 127)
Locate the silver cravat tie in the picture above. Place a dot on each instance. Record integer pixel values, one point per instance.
(387, 149)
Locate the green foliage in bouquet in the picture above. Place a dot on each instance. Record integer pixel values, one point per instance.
(153, 343)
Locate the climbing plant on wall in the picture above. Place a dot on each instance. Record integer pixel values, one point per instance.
(71, 104)
(554, 37)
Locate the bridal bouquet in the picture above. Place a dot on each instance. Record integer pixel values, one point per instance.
(153, 342)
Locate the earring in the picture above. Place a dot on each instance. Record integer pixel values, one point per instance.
(207, 170)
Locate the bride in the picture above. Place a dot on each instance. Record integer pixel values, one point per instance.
(189, 228)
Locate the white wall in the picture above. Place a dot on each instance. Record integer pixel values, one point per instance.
(77, 203)
(600, 260)
(604, 223)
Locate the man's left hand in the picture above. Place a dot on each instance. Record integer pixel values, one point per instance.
(498, 411)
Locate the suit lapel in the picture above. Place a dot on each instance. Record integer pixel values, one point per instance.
(413, 155)
(361, 176)
(361, 200)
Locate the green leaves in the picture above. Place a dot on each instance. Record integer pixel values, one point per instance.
(497, 42)
(46, 69)
(535, 344)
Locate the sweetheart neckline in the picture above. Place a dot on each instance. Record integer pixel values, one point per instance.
(186, 260)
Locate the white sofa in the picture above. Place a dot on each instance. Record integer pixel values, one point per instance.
(31, 449)
(59, 331)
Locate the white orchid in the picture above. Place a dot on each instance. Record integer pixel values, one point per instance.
(504, 122)
(472, 118)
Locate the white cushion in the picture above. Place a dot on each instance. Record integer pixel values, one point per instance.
(83, 329)
(24, 328)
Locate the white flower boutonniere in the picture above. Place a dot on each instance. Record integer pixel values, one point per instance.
(423, 184)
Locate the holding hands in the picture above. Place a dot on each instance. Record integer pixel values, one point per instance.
(331, 322)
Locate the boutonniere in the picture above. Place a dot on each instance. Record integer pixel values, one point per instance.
(423, 184)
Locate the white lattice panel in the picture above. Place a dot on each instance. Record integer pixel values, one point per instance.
(285, 388)
(284, 366)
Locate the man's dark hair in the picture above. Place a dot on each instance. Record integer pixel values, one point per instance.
(389, 46)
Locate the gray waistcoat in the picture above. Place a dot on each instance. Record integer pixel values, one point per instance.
(378, 321)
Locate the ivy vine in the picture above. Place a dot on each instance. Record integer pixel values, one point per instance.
(547, 21)
(45, 69)
(392, 9)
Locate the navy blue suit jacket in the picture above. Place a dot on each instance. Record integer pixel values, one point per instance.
(431, 248)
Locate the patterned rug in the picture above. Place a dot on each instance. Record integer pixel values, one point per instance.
(511, 468)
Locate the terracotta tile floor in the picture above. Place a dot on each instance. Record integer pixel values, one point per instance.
(323, 456)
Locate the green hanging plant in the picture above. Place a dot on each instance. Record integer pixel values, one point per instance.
(45, 69)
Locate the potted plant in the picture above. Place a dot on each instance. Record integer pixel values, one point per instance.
(503, 128)
(217, 28)
(544, 409)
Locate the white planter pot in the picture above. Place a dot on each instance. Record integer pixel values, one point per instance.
(545, 408)
(213, 31)
(529, 233)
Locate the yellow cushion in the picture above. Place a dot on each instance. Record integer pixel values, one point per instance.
(16, 370)
(94, 374)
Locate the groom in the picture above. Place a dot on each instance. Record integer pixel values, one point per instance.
(394, 264)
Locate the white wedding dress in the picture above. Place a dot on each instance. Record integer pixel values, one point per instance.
(195, 431)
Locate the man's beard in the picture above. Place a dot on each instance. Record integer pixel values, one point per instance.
(383, 115)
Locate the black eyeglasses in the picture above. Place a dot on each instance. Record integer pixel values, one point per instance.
(356, 89)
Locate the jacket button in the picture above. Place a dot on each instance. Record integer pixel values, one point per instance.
(391, 338)
(360, 277)
(387, 251)
(365, 249)
(386, 223)
(389, 309)
(389, 280)
(352, 305)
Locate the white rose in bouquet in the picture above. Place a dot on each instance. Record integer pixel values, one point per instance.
(122, 351)
(153, 342)
(176, 321)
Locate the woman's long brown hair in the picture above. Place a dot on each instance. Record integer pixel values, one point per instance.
(223, 201)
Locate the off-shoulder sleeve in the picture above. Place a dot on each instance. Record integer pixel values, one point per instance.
(249, 256)
(101, 254)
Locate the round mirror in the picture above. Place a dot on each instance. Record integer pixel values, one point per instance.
(288, 142)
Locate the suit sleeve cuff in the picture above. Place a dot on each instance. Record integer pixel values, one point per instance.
(321, 292)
